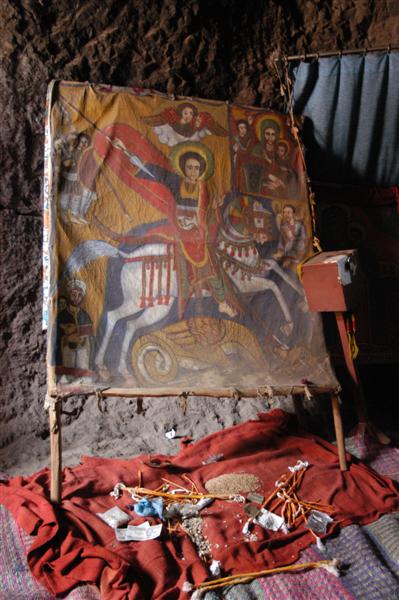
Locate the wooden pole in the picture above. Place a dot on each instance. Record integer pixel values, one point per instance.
(350, 365)
(317, 55)
(364, 423)
(339, 431)
(55, 451)
(142, 392)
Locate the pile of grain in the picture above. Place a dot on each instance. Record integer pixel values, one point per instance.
(233, 483)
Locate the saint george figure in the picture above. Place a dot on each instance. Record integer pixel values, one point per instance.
(192, 225)
(74, 343)
(291, 247)
(175, 185)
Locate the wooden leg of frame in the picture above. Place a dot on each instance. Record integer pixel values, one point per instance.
(339, 432)
(55, 452)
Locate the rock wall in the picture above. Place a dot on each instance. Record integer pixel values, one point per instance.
(219, 49)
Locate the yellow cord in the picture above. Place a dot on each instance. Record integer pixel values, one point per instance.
(245, 577)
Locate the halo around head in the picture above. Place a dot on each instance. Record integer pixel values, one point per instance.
(283, 142)
(193, 148)
(267, 122)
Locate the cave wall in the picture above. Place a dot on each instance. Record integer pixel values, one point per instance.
(219, 49)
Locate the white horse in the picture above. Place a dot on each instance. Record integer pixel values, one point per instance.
(242, 262)
(149, 285)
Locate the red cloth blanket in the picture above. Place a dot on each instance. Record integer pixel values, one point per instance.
(73, 545)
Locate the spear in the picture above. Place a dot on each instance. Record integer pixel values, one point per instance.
(133, 158)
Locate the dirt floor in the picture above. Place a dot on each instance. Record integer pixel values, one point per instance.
(220, 49)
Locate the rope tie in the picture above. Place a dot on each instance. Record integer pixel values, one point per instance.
(236, 394)
(266, 394)
(183, 401)
(270, 393)
(101, 404)
(50, 402)
(308, 393)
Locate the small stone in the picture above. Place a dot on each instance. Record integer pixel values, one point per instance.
(254, 497)
(251, 510)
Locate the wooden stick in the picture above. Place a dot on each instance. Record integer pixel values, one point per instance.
(358, 393)
(70, 390)
(177, 485)
(55, 451)
(231, 579)
(148, 492)
(194, 487)
(339, 432)
(317, 55)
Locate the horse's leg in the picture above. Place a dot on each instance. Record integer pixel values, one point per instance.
(274, 266)
(132, 286)
(273, 287)
(128, 308)
(260, 284)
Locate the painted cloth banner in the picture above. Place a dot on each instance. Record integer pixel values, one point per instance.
(351, 109)
(175, 232)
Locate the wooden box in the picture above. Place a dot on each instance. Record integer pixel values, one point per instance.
(332, 281)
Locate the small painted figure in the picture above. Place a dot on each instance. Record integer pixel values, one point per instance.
(74, 345)
(175, 125)
(291, 246)
(74, 199)
(243, 144)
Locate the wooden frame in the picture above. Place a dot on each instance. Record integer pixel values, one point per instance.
(54, 404)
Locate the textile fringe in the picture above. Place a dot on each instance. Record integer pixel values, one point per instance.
(308, 393)
(101, 403)
(265, 393)
(183, 401)
(236, 394)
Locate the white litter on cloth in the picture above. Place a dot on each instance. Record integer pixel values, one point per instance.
(114, 517)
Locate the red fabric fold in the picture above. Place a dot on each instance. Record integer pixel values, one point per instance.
(73, 545)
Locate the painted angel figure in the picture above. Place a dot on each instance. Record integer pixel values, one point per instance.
(183, 123)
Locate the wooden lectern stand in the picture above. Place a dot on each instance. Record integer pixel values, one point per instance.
(332, 283)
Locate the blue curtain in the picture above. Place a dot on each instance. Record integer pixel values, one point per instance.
(350, 106)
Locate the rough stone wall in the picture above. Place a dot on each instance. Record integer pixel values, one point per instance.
(217, 49)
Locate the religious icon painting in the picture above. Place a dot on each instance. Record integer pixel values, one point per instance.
(173, 233)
